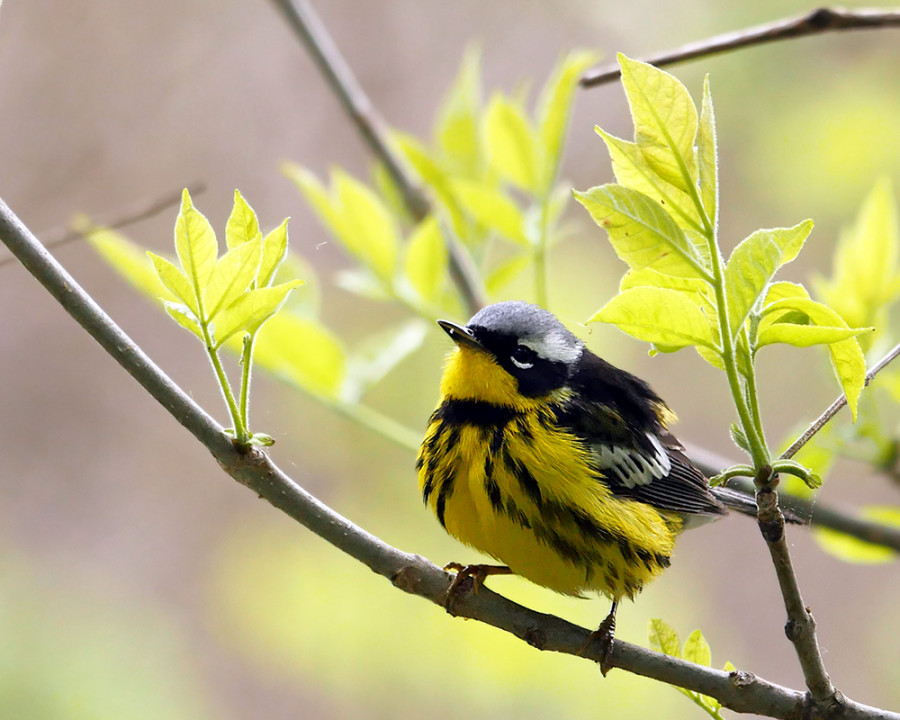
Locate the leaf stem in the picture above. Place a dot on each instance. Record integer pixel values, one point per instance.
(246, 369)
(241, 436)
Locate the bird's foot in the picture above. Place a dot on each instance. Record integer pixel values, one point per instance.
(605, 636)
(469, 578)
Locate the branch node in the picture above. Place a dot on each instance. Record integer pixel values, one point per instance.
(535, 637)
(821, 18)
(741, 678)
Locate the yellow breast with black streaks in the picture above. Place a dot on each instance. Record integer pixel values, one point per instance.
(504, 478)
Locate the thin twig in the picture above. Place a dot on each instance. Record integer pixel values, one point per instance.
(119, 219)
(737, 690)
(819, 514)
(307, 26)
(832, 409)
(811, 23)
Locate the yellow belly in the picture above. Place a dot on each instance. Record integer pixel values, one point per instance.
(535, 506)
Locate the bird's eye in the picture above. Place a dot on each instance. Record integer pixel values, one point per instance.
(523, 357)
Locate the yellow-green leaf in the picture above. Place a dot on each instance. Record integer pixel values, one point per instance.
(249, 311)
(457, 131)
(665, 121)
(493, 209)
(707, 156)
(233, 274)
(185, 317)
(505, 272)
(366, 228)
(512, 144)
(129, 260)
(426, 260)
(304, 353)
(664, 639)
(664, 317)
(274, 249)
(754, 262)
(242, 225)
(847, 357)
(851, 549)
(866, 274)
(554, 110)
(195, 244)
(632, 171)
(175, 280)
(696, 649)
(642, 233)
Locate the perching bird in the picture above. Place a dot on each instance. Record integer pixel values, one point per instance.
(547, 458)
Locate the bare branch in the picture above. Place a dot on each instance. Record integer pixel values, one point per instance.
(813, 23)
(412, 573)
(307, 26)
(119, 219)
(832, 409)
(800, 627)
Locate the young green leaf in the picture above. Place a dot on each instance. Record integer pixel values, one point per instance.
(846, 355)
(707, 156)
(366, 228)
(175, 280)
(185, 317)
(507, 271)
(512, 144)
(660, 316)
(274, 249)
(233, 274)
(129, 260)
(665, 122)
(642, 233)
(242, 225)
(696, 649)
(250, 310)
(754, 262)
(698, 290)
(195, 244)
(554, 109)
(854, 550)
(458, 132)
(866, 275)
(493, 209)
(632, 170)
(664, 639)
(304, 353)
(425, 266)
(437, 180)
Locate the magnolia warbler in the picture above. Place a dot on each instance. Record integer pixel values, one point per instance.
(547, 458)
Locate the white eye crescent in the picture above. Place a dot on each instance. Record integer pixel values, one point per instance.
(523, 357)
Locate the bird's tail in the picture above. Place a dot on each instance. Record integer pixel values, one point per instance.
(746, 504)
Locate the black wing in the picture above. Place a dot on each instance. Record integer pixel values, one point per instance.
(619, 418)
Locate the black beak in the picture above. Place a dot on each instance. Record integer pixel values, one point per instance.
(460, 335)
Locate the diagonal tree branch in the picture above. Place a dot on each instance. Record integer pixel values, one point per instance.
(815, 22)
(123, 218)
(840, 402)
(310, 30)
(252, 468)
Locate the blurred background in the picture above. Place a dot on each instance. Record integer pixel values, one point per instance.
(137, 581)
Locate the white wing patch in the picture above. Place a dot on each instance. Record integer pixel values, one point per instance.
(631, 465)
